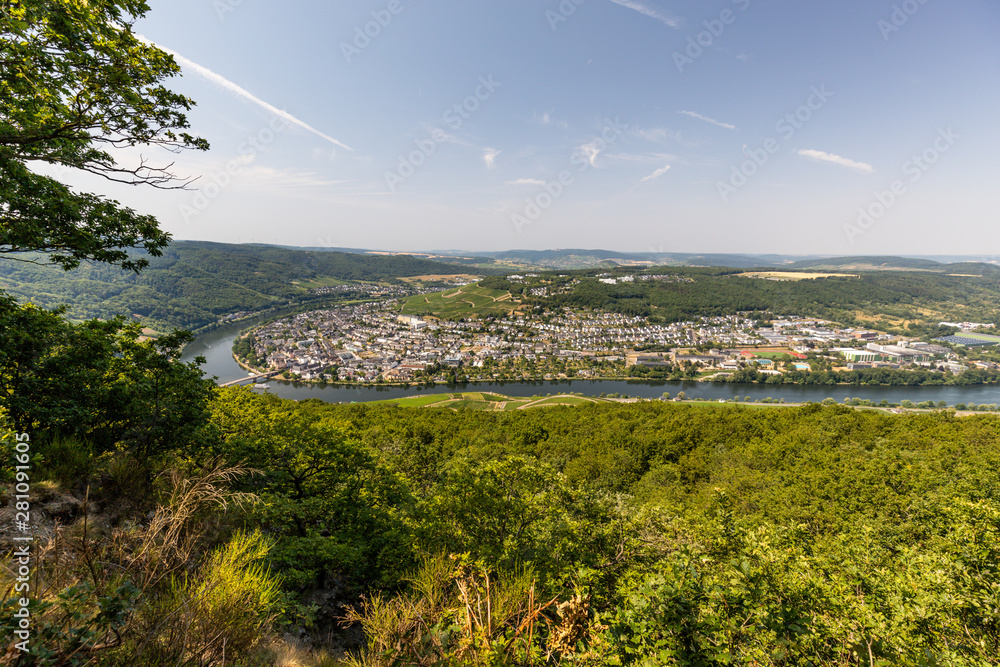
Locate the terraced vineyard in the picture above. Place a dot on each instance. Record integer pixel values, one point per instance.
(467, 301)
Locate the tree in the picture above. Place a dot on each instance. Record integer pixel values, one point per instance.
(325, 496)
(77, 86)
(99, 382)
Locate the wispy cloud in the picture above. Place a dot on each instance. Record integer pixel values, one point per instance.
(548, 118)
(656, 174)
(489, 156)
(639, 158)
(650, 12)
(543, 118)
(526, 181)
(708, 120)
(258, 177)
(655, 134)
(836, 159)
(239, 91)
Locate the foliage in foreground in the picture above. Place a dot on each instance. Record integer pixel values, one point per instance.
(645, 533)
(167, 591)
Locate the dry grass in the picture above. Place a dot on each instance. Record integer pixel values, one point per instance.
(438, 278)
(168, 590)
(459, 613)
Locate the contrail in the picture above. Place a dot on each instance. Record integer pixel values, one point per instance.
(225, 83)
(648, 11)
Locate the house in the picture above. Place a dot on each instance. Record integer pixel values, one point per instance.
(651, 361)
(854, 355)
(900, 352)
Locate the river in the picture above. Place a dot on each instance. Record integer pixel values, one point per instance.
(217, 348)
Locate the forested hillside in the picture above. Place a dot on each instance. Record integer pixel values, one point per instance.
(880, 299)
(194, 282)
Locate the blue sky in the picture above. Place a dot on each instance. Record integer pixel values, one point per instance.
(719, 126)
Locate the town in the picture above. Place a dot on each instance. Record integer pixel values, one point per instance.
(372, 343)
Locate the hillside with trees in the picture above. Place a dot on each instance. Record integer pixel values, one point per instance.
(884, 300)
(648, 533)
(194, 283)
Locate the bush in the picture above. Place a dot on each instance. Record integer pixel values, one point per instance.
(459, 612)
(221, 612)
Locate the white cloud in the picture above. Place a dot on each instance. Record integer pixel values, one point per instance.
(526, 181)
(656, 174)
(228, 85)
(708, 120)
(649, 11)
(489, 155)
(655, 134)
(591, 150)
(836, 159)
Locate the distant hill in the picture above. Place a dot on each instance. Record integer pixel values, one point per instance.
(735, 261)
(889, 263)
(450, 256)
(578, 258)
(195, 283)
(582, 258)
(594, 258)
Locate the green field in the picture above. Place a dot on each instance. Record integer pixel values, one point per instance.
(460, 302)
(979, 336)
(420, 401)
(775, 356)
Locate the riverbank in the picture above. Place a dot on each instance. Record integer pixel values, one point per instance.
(608, 378)
(217, 346)
(495, 402)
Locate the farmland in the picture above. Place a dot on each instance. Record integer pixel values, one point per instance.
(439, 278)
(794, 275)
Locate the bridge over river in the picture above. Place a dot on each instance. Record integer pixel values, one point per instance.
(251, 378)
